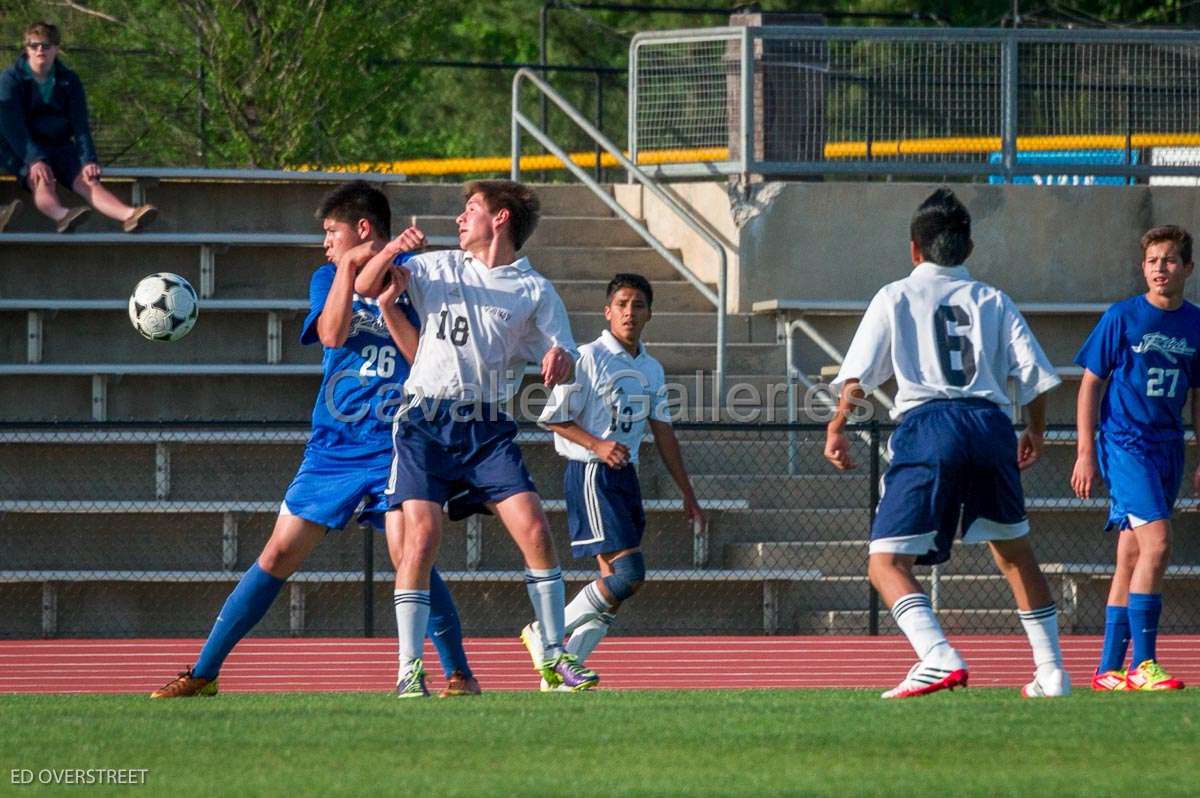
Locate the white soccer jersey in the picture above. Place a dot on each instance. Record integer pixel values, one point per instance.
(946, 336)
(613, 396)
(480, 326)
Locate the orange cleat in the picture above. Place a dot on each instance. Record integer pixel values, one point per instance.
(186, 685)
(458, 684)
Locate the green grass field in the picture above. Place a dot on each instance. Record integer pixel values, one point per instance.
(811, 742)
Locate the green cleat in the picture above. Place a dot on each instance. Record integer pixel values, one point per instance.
(412, 685)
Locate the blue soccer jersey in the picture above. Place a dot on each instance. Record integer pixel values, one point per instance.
(1149, 356)
(362, 382)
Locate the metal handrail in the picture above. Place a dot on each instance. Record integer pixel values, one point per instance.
(519, 121)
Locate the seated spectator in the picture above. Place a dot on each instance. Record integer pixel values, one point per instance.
(45, 138)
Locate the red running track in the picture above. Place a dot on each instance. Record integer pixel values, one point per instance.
(624, 663)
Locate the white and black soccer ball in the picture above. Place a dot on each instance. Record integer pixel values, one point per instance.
(163, 307)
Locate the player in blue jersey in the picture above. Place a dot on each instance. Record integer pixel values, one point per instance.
(952, 343)
(369, 344)
(1145, 348)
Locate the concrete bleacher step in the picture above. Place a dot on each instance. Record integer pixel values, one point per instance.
(257, 272)
(830, 557)
(851, 592)
(255, 392)
(802, 490)
(580, 231)
(199, 205)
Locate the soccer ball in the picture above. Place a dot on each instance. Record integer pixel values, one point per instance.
(163, 307)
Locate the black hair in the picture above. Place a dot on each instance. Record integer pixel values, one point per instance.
(629, 280)
(358, 200)
(941, 229)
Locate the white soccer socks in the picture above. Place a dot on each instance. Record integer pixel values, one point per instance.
(914, 615)
(547, 593)
(1050, 679)
(412, 616)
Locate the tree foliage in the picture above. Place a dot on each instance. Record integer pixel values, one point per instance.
(271, 83)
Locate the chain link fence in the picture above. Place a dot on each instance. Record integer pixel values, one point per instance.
(136, 530)
(1091, 106)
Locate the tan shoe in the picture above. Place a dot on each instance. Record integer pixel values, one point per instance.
(186, 685)
(7, 213)
(142, 215)
(73, 219)
(458, 685)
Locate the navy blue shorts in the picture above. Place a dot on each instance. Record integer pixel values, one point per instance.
(1143, 480)
(63, 162)
(440, 448)
(604, 508)
(953, 466)
(327, 490)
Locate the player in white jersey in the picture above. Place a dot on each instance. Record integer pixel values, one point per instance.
(598, 423)
(951, 343)
(486, 313)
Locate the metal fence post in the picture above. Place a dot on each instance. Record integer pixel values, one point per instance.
(368, 581)
(873, 493)
(1008, 144)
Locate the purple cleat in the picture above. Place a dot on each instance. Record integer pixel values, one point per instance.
(565, 673)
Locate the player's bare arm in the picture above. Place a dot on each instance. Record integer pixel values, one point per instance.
(1086, 473)
(668, 449)
(1029, 445)
(558, 367)
(837, 445)
(333, 325)
(373, 276)
(611, 453)
(402, 331)
(1196, 429)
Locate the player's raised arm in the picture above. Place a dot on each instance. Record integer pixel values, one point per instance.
(333, 325)
(402, 330)
(1086, 473)
(372, 278)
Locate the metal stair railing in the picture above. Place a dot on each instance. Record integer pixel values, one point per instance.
(519, 121)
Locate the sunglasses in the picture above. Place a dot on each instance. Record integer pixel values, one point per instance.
(40, 45)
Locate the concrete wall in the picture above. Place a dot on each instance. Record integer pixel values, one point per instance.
(845, 240)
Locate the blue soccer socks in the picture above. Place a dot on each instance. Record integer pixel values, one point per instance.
(445, 628)
(1144, 612)
(1116, 639)
(245, 607)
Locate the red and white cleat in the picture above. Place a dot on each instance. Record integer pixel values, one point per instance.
(924, 679)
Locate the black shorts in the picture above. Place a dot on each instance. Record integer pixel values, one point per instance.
(63, 162)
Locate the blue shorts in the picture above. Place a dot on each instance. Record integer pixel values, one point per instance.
(327, 490)
(439, 448)
(1143, 480)
(63, 162)
(953, 466)
(604, 508)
